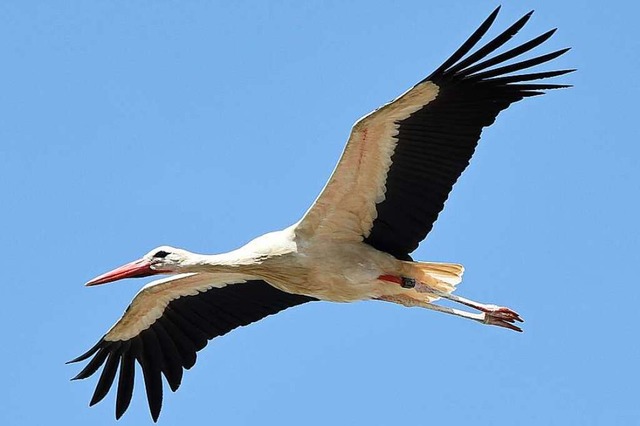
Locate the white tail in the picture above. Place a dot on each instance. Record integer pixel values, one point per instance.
(440, 276)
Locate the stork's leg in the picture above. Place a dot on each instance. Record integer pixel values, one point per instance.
(491, 310)
(492, 314)
(488, 318)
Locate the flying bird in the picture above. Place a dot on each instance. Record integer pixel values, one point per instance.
(354, 243)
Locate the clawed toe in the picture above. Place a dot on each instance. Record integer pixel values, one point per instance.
(502, 313)
(502, 317)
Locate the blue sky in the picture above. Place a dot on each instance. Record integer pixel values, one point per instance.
(203, 124)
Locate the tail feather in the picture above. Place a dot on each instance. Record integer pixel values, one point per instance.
(448, 272)
(442, 276)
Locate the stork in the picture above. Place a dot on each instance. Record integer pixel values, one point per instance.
(354, 243)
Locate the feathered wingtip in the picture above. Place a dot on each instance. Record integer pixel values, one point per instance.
(123, 354)
(478, 67)
(87, 354)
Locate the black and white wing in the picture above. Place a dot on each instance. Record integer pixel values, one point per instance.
(170, 320)
(402, 160)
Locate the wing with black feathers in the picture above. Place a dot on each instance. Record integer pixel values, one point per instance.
(167, 323)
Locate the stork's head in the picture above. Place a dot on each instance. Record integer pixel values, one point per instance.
(161, 260)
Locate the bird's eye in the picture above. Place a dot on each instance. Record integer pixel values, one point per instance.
(161, 254)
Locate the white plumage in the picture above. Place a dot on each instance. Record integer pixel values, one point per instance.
(354, 243)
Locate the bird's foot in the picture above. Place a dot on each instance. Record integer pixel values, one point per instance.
(501, 317)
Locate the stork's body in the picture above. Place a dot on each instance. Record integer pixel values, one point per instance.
(336, 271)
(354, 243)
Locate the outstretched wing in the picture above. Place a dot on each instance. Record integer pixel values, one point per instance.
(402, 160)
(170, 320)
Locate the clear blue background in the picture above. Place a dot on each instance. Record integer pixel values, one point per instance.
(127, 125)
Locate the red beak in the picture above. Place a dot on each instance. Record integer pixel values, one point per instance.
(138, 269)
